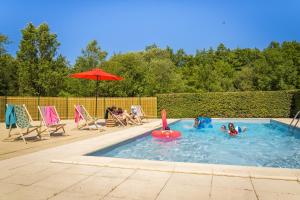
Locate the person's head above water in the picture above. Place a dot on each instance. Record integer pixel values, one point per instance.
(230, 126)
(223, 127)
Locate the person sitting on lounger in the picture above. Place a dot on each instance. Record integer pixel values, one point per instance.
(130, 118)
(136, 118)
(117, 115)
(123, 115)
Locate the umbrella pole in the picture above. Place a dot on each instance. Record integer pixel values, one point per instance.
(97, 84)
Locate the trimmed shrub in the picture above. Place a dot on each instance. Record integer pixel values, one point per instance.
(296, 104)
(230, 104)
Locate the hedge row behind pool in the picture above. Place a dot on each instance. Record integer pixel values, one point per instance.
(261, 104)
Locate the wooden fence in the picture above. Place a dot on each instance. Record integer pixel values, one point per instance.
(65, 105)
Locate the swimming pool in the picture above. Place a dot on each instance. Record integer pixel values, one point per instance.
(265, 143)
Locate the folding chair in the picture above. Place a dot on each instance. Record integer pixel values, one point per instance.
(116, 118)
(51, 119)
(82, 114)
(138, 111)
(23, 123)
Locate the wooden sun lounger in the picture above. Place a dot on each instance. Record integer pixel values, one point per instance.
(116, 119)
(87, 118)
(23, 123)
(52, 128)
(140, 112)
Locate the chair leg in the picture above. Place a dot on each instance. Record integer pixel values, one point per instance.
(10, 129)
(60, 127)
(39, 133)
(63, 128)
(23, 137)
(98, 128)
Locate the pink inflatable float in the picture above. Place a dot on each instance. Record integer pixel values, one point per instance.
(165, 132)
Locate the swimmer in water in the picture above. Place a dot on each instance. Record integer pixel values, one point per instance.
(223, 128)
(196, 122)
(231, 130)
(235, 130)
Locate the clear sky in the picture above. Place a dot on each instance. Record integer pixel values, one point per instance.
(130, 25)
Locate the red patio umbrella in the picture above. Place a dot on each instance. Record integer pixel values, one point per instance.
(97, 75)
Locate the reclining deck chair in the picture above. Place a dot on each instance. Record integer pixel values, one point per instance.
(82, 114)
(23, 122)
(51, 119)
(138, 111)
(116, 118)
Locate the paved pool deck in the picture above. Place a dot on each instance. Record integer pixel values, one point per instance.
(11, 148)
(62, 172)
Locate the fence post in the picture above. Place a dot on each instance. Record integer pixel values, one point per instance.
(104, 105)
(67, 107)
(38, 113)
(140, 103)
(5, 102)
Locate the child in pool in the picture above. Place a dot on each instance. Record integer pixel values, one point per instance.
(223, 128)
(231, 129)
(235, 130)
(196, 122)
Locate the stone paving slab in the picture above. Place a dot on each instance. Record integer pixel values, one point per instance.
(30, 193)
(186, 192)
(232, 194)
(226, 182)
(276, 196)
(277, 186)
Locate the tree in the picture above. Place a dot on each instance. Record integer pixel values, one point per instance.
(28, 62)
(162, 77)
(180, 58)
(132, 67)
(244, 79)
(8, 70)
(40, 70)
(92, 56)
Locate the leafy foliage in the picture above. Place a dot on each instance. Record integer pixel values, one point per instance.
(230, 104)
(39, 70)
(8, 71)
(92, 57)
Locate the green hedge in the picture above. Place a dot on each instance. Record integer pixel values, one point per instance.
(296, 104)
(230, 104)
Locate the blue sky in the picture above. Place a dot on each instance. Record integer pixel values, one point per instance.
(130, 25)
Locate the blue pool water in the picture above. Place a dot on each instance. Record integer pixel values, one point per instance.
(265, 143)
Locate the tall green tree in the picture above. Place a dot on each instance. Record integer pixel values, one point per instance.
(41, 71)
(8, 70)
(161, 77)
(132, 67)
(91, 57)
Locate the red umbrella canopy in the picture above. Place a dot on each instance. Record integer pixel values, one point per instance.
(97, 75)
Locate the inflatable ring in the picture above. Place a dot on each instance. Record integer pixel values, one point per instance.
(169, 134)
